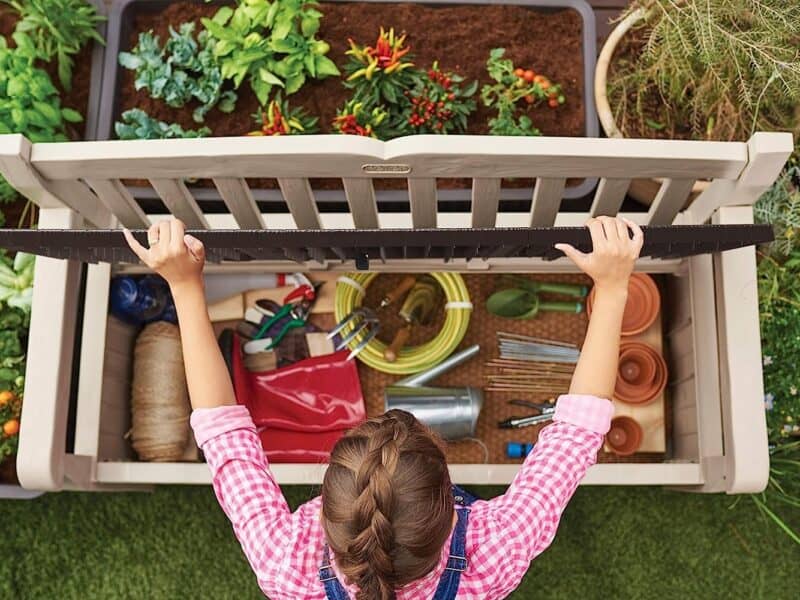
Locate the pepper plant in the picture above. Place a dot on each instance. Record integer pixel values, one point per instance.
(273, 44)
(136, 124)
(512, 87)
(184, 69)
(278, 119)
(58, 29)
(381, 73)
(439, 104)
(356, 118)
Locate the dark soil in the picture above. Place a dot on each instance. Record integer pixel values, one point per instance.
(654, 108)
(460, 37)
(78, 97)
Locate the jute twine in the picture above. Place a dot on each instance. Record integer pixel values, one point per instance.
(159, 396)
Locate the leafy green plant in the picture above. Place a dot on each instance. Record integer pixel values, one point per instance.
(10, 409)
(138, 125)
(355, 118)
(184, 69)
(512, 87)
(439, 104)
(278, 119)
(58, 29)
(780, 207)
(16, 281)
(273, 44)
(724, 68)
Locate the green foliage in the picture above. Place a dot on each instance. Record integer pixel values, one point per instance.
(439, 104)
(273, 44)
(780, 207)
(512, 88)
(58, 29)
(783, 490)
(138, 125)
(726, 68)
(279, 119)
(184, 69)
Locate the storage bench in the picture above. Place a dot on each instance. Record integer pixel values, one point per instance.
(718, 434)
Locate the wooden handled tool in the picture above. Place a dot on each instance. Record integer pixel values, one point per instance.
(398, 292)
(400, 339)
(417, 308)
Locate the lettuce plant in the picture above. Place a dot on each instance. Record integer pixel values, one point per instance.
(184, 69)
(272, 44)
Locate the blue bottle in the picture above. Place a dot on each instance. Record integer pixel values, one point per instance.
(518, 449)
(141, 300)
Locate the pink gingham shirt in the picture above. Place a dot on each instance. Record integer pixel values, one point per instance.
(504, 535)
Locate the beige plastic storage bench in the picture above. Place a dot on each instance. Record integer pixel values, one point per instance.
(719, 438)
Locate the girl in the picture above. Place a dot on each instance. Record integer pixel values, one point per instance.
(389, 523)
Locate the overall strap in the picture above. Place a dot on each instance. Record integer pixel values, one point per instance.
(333, 588)
(457, 561)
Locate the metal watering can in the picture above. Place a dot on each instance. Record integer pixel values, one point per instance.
(452, 412)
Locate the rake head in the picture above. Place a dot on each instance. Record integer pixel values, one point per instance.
(364, 326)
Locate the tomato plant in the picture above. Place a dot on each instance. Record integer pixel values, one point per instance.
(439, 104)
(279, 119)
(515, 86)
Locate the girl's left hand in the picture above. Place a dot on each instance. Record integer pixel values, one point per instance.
(177, 257)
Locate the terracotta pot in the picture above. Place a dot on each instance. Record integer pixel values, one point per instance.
(643, 306)
(642, 374)
(641, 190)
(625, 436)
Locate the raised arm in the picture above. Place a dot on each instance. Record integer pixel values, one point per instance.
(224, 430)
(179, 259)
(525, 518)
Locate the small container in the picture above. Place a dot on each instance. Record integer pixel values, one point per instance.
(643, 305)
(625, 436)
(641, 375)
(518, 449)
(452, 412)
(141, 300)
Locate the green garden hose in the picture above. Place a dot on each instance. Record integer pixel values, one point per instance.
(350, 291)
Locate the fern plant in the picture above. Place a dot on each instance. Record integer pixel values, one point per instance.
(725, 68)
(780, 207)
(58, 29)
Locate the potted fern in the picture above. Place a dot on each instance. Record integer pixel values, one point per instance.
(715, 70)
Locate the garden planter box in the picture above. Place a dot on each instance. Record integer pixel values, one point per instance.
(128, 17)
(718, 434)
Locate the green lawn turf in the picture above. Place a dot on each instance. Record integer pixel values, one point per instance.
(176, 543)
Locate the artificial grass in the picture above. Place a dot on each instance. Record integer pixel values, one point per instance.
(176, 543)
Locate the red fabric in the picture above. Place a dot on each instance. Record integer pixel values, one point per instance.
(303, 409)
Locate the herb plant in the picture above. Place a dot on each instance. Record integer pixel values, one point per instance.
(512, 87)
(724, 68)
(273, 44)
(184, 69)
(439, 104)
(381, 74)
(138, 125)
(58, 29)
(355, 118)
(278, 119)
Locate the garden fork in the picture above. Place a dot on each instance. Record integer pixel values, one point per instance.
(363, 321)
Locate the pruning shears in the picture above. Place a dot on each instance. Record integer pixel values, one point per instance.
(546, 413)
(298, 312)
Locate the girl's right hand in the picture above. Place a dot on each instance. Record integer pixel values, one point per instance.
(177, 257)
(614, 251)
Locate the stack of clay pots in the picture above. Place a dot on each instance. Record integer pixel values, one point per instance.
(642, 373)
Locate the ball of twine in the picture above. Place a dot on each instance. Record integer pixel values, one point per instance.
(159, 396)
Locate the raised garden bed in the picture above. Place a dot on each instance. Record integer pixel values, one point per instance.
(556, 37)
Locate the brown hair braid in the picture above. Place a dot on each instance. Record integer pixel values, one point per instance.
(387, 506)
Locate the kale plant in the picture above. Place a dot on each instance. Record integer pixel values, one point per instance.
(184, 69)
(138, 125)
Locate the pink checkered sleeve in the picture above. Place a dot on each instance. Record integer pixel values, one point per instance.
(522, 523)
(248, 494)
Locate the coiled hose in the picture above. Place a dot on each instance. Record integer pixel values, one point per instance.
(350, 291)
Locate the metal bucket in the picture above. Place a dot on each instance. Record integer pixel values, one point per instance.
(452, 412)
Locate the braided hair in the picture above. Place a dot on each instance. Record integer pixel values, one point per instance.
(387, 506)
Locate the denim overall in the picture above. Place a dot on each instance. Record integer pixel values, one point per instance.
(456, 563)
